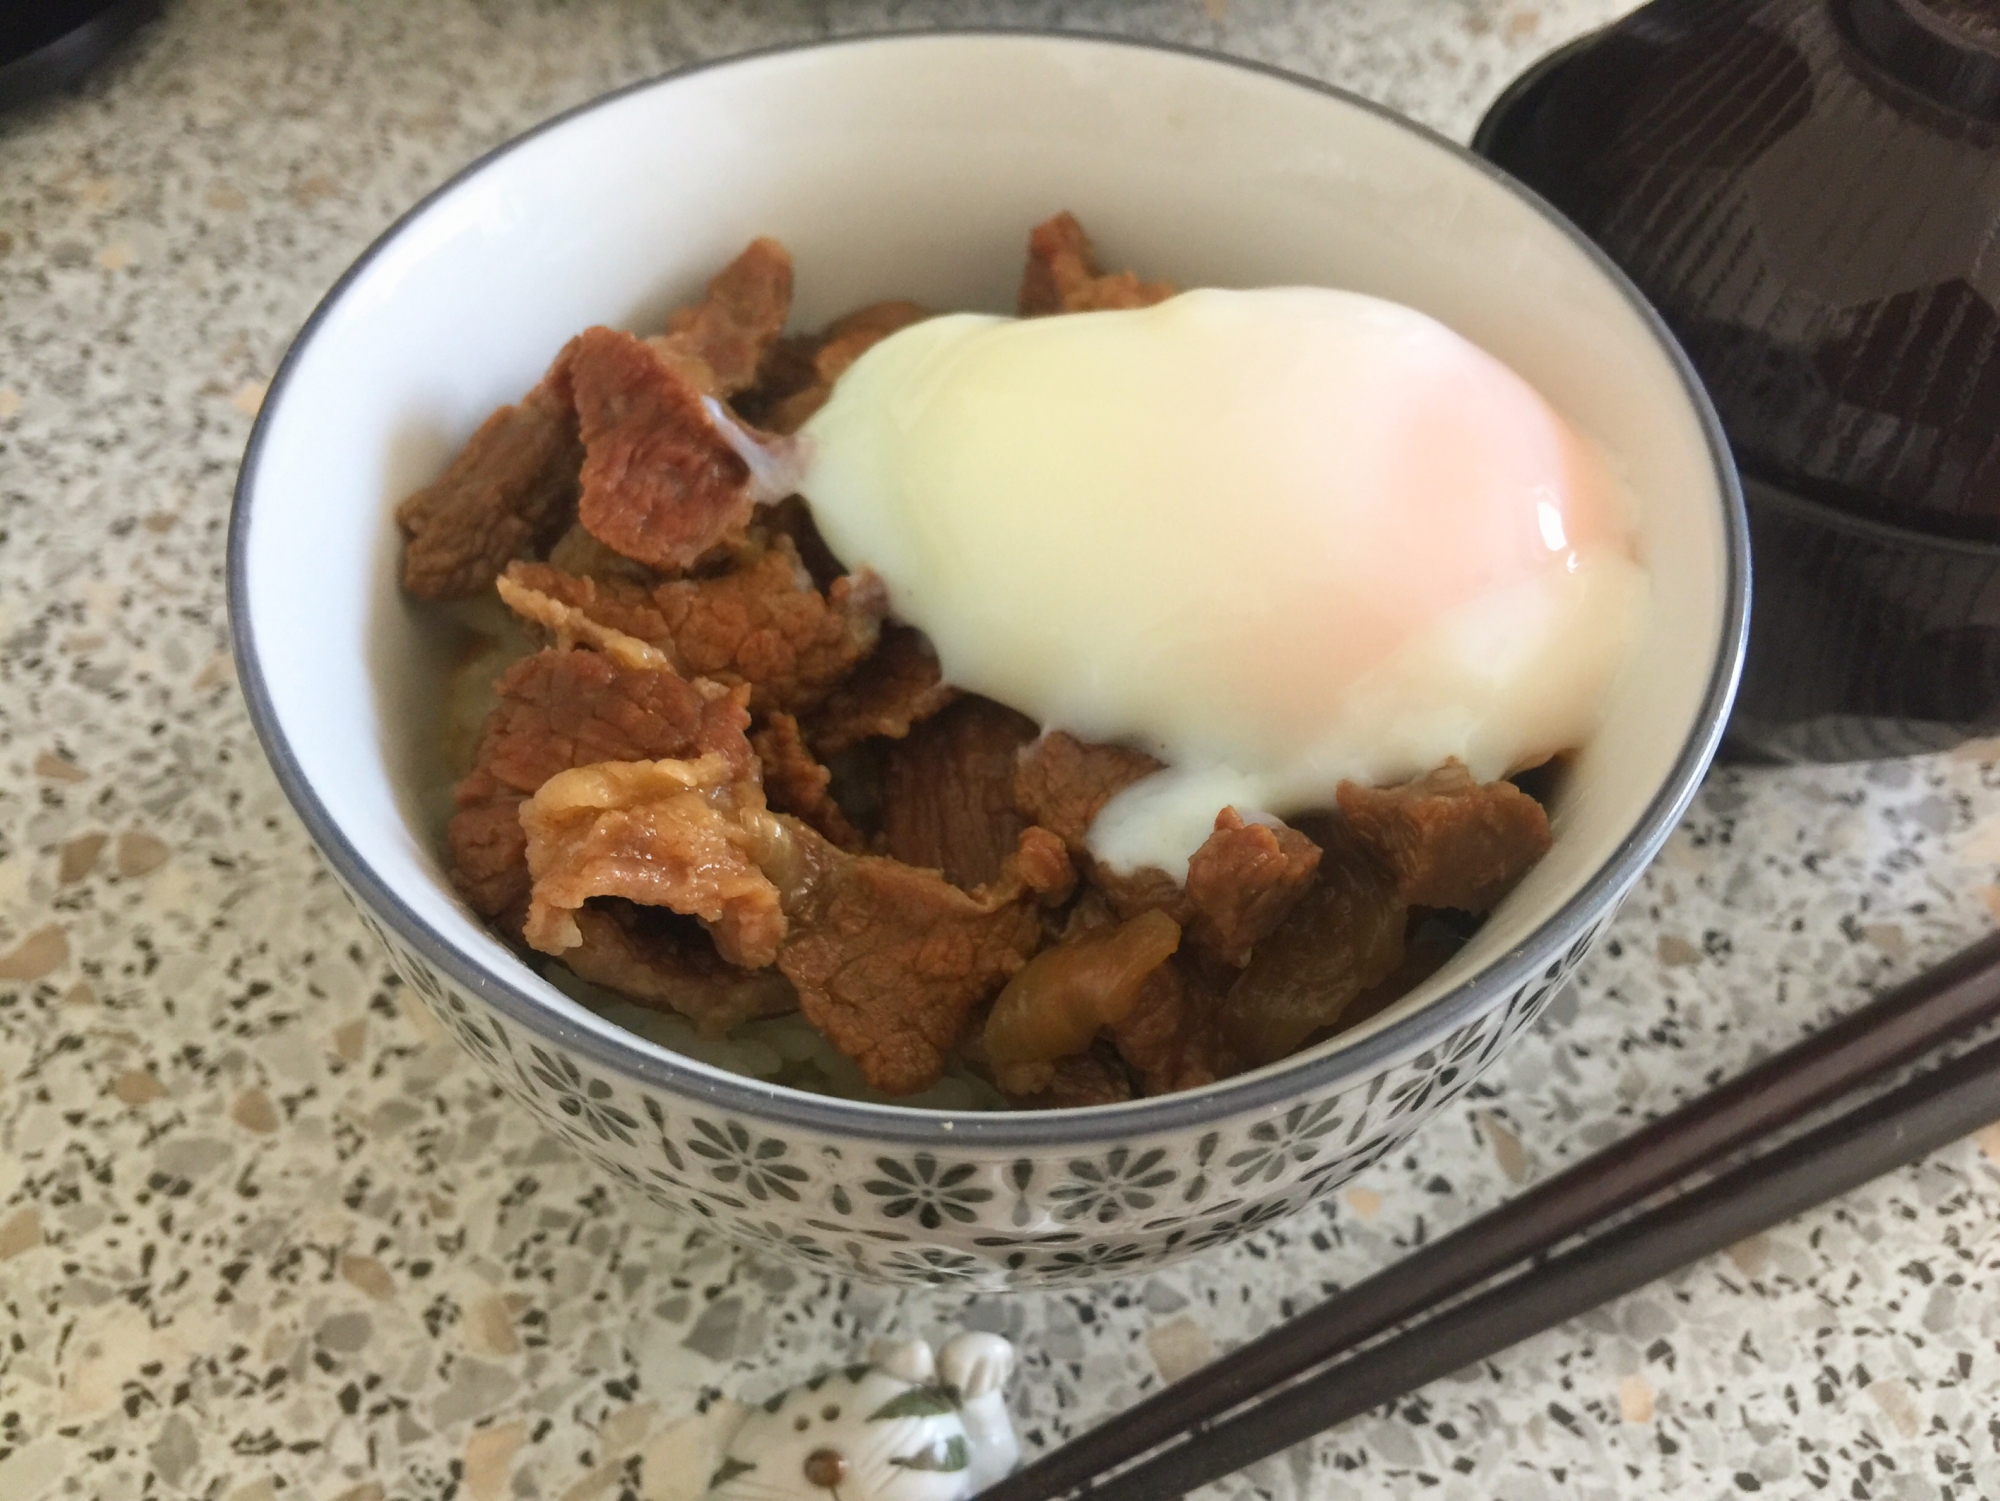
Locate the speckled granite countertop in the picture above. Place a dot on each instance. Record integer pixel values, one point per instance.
(264, 1234)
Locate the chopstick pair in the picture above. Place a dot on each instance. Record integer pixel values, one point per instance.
(1293, 1382)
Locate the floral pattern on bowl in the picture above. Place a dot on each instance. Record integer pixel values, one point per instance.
(963, 1216)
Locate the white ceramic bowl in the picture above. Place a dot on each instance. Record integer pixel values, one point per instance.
(912, 166)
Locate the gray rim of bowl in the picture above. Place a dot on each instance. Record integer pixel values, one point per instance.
(1268, 1089)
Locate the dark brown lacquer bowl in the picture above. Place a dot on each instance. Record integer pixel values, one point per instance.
(1809, 191)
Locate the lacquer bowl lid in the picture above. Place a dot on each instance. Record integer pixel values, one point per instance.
(1809, 191)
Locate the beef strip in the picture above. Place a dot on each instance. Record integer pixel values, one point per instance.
(510, 491)
(489, 859)
(1449, 841)
(660, 484)
(1242, 882)
(1062, 782)
(856, 783)
(718, 343)
(793, 518)
(563, 709)
(1128, 893)
(786, 370)
(796, 783)
(577, 552)
(615, 616)
(1343, 936)
(948, 791)
(892, 962)
(628, 949)
(764, 623)
(1062, 275)
(1173, 1036)
(1040, 864)
(845, 341)
(896, 687)
(1075, 1083)
(515, 486)
(688, 835)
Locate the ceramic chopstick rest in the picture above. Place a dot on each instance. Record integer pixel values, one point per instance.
(906, 1426)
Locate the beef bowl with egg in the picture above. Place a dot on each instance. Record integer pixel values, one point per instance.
(945, 756)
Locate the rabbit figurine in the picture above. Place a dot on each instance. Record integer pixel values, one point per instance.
(906, 1426)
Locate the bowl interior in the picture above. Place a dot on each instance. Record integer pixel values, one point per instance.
(913, 167)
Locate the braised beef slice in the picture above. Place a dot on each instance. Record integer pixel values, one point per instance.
(516, 485)
(1042, 866)
(1173, 1036)
(763, 624)
(857, 781)
(719, 342)
(793, 518)
(1342, 937)
(899, 685)
(892, 962)
(1144, 890)
(577, 552)
(688, 835)
(766, 625)
(1074, 1083)
(659, 483)
(510, 492)
(948, 791)
(796, 783)
(563, 709)
(489, 859)
(1062, 275)
(1062, 782)
(1242, 882)
(614, 615)
(845, 340)
(637, 952)
(853, 334)
(1448, 840)
(786, 370)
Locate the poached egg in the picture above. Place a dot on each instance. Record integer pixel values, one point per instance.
(1277, 538)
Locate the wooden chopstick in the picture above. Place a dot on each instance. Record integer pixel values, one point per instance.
(1894, 1029)
(1931, 1111)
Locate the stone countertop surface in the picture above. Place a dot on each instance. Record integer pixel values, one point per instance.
(263, 1232)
